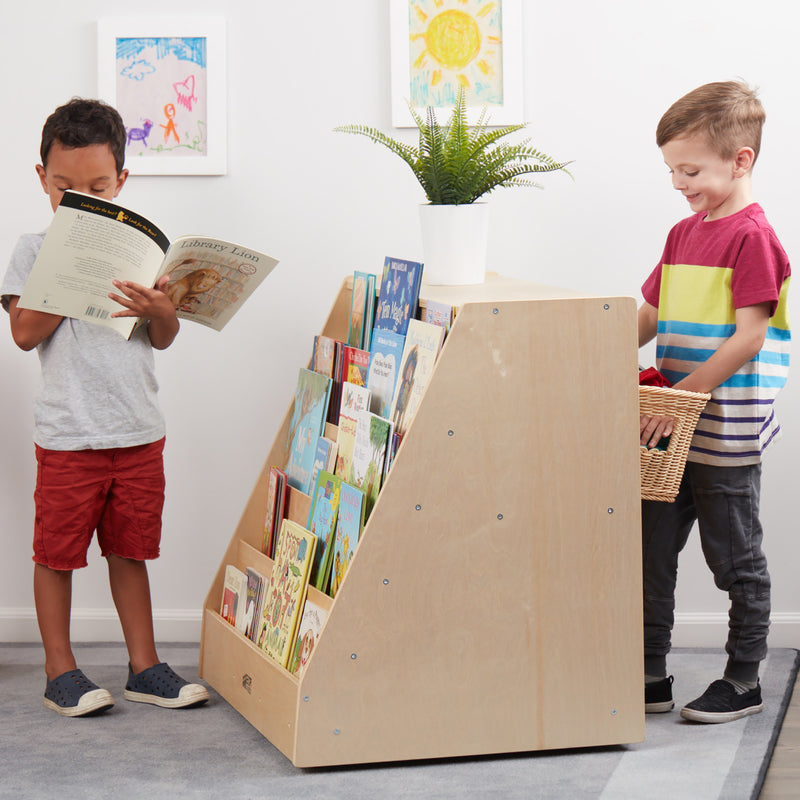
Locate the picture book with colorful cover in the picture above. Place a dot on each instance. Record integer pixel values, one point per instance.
(437, 313)
(348, 533)
(358, 307)
(336, 383)
(399, 294)
(273, 479)
(308, 631)
(333, 452)
(391, 451)
(255, 598)
(294, 554)
(386, 351)
(233, 595)
(422, 345)
(325, 458)
(355, 400)
(323, 354)
(354, 366)
(306, 426)
(90, 242)
(280, 510)
(369, 312)
(322, 523)
(373, 434)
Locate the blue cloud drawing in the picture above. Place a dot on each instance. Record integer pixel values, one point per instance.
(138, 70)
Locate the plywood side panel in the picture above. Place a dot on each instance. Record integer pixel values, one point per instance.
(494, 604)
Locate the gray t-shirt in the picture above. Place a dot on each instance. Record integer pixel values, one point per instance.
(97, 389)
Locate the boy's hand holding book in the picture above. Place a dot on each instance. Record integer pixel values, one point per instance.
(151, 304)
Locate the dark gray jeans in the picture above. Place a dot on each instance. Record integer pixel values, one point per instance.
(725, 503)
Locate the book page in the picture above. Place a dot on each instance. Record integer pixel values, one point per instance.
(209, 279)
(91, 242)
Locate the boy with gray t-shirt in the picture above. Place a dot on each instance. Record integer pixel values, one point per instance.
(98, 432)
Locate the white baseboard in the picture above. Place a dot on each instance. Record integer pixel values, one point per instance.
(101, 625)
(692, 629)
(698, 629)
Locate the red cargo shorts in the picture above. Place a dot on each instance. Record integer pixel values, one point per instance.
(119, 492)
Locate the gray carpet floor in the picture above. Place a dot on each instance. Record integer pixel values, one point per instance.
(140, 751)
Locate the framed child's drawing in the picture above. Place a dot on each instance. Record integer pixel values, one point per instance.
(166, 77)
(439, 46)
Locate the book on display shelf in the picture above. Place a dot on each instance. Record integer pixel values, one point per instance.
(355, 400)
(276, 481)
(294, 554)
(348, 532)
(386, 351)
(322, 523)
(373, 434)
(421, 348)
(358, 308)
(323, 355)
(233, 596)
(399, 294)
(308, 632)
(254, 605)
(437, 313)
(307, 424)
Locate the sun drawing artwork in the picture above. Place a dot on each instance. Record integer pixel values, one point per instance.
(453, 44)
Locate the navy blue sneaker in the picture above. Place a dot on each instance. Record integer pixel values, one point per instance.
(72, 694)
(658, 696)
(721, 703)
(160, 686)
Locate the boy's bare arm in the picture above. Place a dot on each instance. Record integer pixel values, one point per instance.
(648, 323)
(651, 429)
(150, 304)
(30, 328)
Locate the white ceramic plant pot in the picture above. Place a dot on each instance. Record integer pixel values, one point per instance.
(454, 243)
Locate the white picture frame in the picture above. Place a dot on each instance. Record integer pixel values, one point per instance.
(167, 78)
(491, 64)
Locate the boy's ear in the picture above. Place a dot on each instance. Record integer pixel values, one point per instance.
(42, 177)
(121, 178)
(744, 158)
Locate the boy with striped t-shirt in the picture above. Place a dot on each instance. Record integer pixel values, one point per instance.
(716, 303)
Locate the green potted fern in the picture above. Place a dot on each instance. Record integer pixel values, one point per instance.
(456, 166)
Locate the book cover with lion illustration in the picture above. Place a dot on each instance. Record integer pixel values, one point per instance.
(92, 241)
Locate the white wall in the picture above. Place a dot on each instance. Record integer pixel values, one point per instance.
(597, 77)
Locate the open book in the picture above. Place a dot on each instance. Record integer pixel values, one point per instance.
(91, 242)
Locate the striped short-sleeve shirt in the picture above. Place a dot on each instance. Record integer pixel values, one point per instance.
(707, 271)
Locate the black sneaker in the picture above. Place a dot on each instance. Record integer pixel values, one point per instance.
(160, 686)
(658, 696)
(74, 695)
(721, 703)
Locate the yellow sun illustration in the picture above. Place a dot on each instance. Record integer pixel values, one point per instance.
(455, 43)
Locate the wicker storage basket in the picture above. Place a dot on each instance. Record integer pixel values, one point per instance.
(662, 470)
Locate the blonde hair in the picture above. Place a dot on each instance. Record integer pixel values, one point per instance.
(729, 115)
